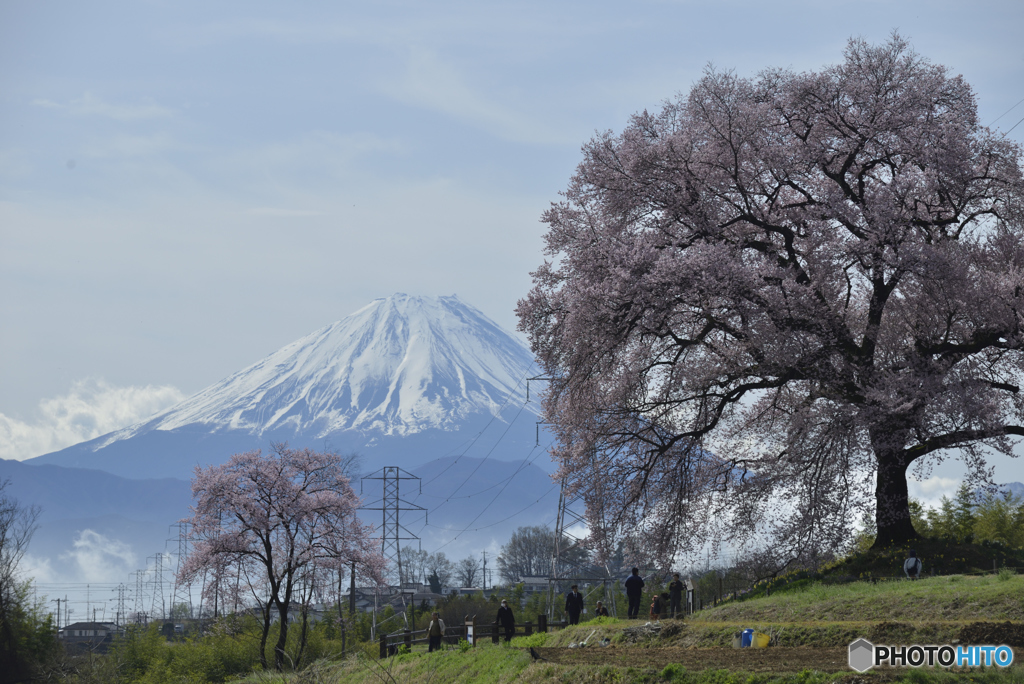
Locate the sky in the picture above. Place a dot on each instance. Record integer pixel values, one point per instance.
(186, 187)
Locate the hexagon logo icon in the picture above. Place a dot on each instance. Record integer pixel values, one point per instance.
(862, 655)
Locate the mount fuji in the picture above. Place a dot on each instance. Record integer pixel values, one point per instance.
(427, 384)
(403, 381)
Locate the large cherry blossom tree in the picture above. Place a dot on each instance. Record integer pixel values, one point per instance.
(273, 522)
(766, 301)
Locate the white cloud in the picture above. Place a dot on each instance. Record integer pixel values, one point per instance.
(931, 490)
(98, 558)
(37, 569)
(92, 105)
(92, 408)
(433, 84)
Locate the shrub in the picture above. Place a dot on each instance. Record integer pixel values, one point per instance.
(673, 672)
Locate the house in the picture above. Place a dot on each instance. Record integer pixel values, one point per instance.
(534, 585)
(92, 636)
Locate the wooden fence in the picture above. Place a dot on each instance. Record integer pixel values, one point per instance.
(470, 631)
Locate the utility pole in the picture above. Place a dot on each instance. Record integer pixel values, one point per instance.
(58, 612)
(485, 570)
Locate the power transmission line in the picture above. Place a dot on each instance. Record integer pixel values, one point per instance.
(494, 416)
(392, 505)
(182, 594)
(1007, 112)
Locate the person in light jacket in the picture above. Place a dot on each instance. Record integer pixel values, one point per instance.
(434, 633)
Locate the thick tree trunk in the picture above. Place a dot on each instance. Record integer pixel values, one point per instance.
(892, 501)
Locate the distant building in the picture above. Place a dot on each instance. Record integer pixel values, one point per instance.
(534, 585)
(469, 591)
(369, 598)
(91, 636)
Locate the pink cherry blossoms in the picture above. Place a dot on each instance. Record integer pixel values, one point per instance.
(265, 529)
(763, 303)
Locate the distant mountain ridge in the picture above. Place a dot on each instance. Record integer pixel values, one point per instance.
(405, 380)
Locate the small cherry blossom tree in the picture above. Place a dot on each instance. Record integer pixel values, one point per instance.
(765, 302)
(273, 522)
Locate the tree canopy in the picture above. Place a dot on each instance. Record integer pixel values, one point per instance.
(28, 641)
(528, 553)
(767, 300)
(274, 522)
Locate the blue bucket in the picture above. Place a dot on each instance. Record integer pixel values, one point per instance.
(748, 635)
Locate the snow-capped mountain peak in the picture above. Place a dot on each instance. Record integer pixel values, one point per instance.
(397, 366)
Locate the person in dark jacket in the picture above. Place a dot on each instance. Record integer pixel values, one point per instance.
(574, 605)
(675, 595)
(507, 620)
(634, 592)
(913, 565)
(600, 610)
(658, 606)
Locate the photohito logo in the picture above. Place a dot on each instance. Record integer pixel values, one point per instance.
(864, 655)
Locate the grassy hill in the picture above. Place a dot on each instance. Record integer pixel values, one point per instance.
(814, 622)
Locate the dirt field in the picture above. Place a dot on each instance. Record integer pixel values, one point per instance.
(748, 659)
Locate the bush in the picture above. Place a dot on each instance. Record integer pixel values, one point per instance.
(537, 640)
(673, 672)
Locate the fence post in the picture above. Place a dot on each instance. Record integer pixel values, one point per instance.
(408, 639)
(383, 646)
(542, 623)
(528, 628)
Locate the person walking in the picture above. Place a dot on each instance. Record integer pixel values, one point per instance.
(913, 565)
(634, 592)
(676, 588)
(434, 633)
(574, 605)
(507, 620)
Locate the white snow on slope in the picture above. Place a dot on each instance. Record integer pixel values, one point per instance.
(398, 366)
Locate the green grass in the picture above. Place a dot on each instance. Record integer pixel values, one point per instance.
(510, 666)
(930, 610)
(940, 556)
(948, 598)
